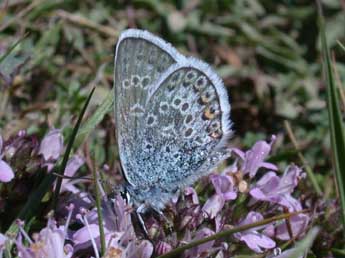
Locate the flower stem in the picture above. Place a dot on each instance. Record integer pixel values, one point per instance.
(308, 169)
(99, 209)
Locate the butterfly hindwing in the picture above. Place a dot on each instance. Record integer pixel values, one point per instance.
(184, 126)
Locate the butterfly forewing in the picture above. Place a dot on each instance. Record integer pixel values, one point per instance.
(140, 61)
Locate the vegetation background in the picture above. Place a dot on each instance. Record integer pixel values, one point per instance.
(267, 52)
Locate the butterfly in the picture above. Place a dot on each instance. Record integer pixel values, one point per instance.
(172, 115)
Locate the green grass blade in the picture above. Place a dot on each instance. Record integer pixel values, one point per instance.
(308, 169)
(99, 209)
(2, 58)
(95, 119)
(35, 198)
(341, 45)
(69, 149)
(304, 245)
(32, 205)
(335, 120)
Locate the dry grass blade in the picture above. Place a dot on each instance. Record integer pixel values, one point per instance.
(84, 22)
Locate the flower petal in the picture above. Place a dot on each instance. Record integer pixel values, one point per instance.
(51, 145)
(256, 241)
(82, 235)
(73, 165)
(254, 157)
(203, 248)
(299, 224)
(1, 143)
(257, 194)
(290, 202)
(290, 179)
(192, 195)
(6, 172)
(213, 206)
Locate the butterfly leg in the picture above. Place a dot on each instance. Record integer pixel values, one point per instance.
(166, 220)
(141, 210)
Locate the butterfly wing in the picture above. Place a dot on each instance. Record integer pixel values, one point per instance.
(141, 58)
(184, 130)
(172, 117)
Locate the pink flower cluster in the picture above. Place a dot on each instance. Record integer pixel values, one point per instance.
(246, 192)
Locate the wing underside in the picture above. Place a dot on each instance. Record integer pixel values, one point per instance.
(172, 114)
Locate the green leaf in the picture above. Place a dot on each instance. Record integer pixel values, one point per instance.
(335, 119)
(95, 119)
(13, 60)
(69, 149)
(302, 246)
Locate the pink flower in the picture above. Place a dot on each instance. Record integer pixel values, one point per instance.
(6, 172)
(298, 223)
(202, 249)
(118, 230)
(162, 248)
(213, 206)
(254, 158)
(142, 250)
(52, 145)
(71, 168)
(224, 186)
(253, 239)
(3, 240)
(225, 191)
(189, 209)
(275, 189)
(191, 196)
(50, 242)
(1, 143)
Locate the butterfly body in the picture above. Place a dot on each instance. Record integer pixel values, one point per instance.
(172, 117)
